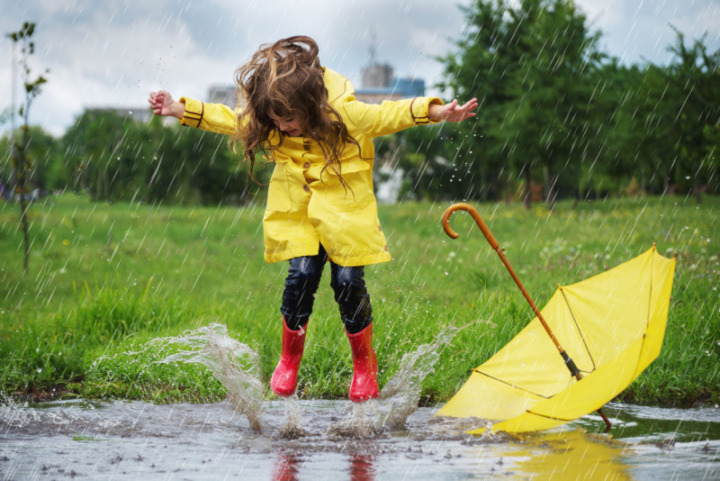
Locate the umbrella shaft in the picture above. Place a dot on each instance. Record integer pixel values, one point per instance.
(509, 268)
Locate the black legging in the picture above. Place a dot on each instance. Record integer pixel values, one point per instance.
(348, 283)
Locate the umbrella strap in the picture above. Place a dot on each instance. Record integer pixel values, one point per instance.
(571, 365)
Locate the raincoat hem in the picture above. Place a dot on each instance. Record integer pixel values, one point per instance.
(342, 260)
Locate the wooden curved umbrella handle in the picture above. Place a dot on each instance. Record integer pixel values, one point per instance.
(478, 220)
(496, 247)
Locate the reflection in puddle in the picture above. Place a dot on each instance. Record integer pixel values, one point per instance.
(573, 455)
(288, 467)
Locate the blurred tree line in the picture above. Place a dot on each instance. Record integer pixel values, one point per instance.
(558, 118)
(112, 157)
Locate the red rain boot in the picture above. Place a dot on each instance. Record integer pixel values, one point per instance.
(284, 379)
(364, 383)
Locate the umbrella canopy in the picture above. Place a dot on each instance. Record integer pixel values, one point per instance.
(610, 326)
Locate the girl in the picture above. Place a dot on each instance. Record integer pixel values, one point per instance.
(320, 204)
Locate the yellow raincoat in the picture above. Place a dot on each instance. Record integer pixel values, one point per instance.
(307, 206)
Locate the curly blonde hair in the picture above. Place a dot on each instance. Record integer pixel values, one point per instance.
(285, 79)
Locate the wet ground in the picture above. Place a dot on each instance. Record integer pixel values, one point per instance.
(317, 440)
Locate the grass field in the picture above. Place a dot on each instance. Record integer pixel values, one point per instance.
(104, 280)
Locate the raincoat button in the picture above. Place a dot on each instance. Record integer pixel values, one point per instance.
(306, 165)
(306, 188)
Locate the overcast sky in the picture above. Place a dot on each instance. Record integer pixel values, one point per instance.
(113, 52)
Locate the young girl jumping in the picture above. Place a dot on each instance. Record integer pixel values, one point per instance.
(305, 119)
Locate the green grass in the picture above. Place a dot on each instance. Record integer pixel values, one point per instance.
(104, 280)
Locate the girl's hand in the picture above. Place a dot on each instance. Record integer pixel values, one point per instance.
(162, 103)
(452, 112)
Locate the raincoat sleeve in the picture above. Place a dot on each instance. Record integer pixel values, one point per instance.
(375, 120)
(217, 118)
(388, 117)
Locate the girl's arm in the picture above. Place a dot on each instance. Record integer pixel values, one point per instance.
(376, 120)
(216, 118)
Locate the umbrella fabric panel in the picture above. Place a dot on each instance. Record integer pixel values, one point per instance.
(570, 333)
(617, 307)
(583, 397)
(611, 312)
(663, 272)
(530, 362)
(488, 398)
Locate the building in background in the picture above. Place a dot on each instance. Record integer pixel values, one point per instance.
(378, 83)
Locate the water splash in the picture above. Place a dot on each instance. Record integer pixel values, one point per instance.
(236, 366)
(362, 422)
(399, 397)
(232, 363)
(294, 414)
(14, 415)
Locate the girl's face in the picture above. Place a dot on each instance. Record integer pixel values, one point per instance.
(290, 125)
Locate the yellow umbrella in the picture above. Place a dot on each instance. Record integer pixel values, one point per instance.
(588, 344)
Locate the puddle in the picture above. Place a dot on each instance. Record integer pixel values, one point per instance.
(384, 439)
(137, 440)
